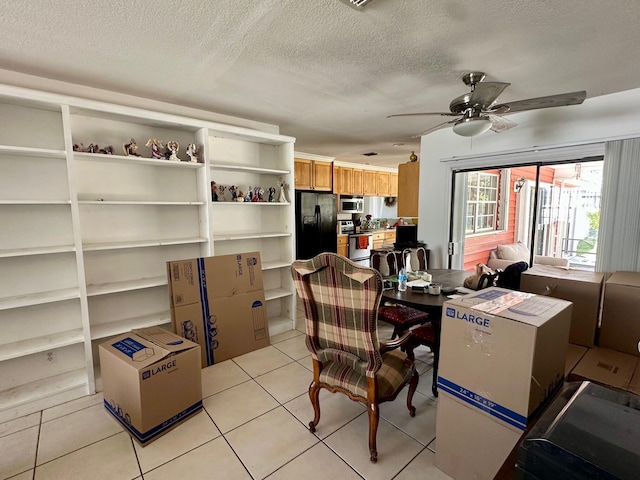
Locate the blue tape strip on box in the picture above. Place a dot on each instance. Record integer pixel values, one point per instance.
(482, 403)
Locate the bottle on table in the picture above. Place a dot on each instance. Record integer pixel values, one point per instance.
(402, 280)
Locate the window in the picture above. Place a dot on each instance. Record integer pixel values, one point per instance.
(482, 202)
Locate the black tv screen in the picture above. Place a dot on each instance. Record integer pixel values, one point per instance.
(406, 234)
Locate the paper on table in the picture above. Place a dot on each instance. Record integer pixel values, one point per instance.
(418, 283)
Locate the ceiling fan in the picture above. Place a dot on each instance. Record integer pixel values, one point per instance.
(477, 111)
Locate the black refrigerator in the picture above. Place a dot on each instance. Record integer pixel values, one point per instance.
(316, 223)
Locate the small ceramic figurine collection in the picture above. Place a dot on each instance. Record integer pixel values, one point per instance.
(253, 194)
(130, 150)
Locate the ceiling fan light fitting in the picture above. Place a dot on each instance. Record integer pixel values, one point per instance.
(471, 127)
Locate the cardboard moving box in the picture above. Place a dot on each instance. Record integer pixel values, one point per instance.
(574, 355)
(502, 356)
(606, 367)
(583, 289)
(620, 325)
(151, 381)
(218, 302)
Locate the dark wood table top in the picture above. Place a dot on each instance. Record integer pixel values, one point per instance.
(425, 301)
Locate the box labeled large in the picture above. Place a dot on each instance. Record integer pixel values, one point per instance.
(219, 303)
(503, 352)
(583, 289)
(469, 444)
(620, 325)
(151, 381)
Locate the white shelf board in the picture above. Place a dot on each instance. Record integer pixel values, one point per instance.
(44, 343)
(39, 298)
(279, 324)
(32, 152)
(123, 326)
(135, 202)
(35, 202)
(222, 237)
(125, 286)
(274, 293)
(44, 388)
(95, 246)
(248, 169)
(99, 157)
(275, 264)
(24, 252)
(272, 204)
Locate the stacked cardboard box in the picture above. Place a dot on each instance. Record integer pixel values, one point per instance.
(620, 325)
(218, 302)
(610, 368)
(503, 354)
(583, 289)
(141, 373)
(575, 353)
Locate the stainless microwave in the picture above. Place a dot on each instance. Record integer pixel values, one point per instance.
(351, 204)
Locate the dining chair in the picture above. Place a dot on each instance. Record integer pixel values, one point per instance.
(341, 300)
(385, 262)
(427, 335)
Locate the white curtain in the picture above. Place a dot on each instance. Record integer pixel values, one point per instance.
(619, 232)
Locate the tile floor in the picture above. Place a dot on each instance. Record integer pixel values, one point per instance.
(253, 426)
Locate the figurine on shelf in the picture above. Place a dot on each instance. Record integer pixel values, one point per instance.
(247, 197)
(130, 149)
(255, 194)
(155, 145)
(192, 152)
(234, 193)
(172, 151)
(261, 195)
(272, 193)
(107, 150)
(283, 186)
(221, 189)
(214, 191)
(240, 196)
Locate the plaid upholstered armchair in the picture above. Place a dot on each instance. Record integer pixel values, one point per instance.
(341, 302)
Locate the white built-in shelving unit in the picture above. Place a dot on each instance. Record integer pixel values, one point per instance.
(85, 237)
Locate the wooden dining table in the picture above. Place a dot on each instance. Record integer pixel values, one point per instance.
(432, 304)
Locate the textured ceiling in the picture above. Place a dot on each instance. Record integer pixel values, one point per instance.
(325, 73)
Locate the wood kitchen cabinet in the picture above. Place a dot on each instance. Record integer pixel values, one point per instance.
(343, 180)
(369, 183)
(390, 237)
(343, 245)
(408, 184)
(382, 184)
(358, 182)
(313, 175)
(378, 239)
(393, 185)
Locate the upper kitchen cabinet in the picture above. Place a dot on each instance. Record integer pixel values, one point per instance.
(358, 181)
(393, 185)
(313, 174)
(408, 180)
(382, 184)
(369, 183)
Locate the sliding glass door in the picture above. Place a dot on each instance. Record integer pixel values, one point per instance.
(553, 209)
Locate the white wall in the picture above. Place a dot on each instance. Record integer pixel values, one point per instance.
(598, 119)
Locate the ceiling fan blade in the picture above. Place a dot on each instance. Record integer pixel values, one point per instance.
(437, 127)
(485, 93)
(499, 124)
(560, 100)
(444, 114)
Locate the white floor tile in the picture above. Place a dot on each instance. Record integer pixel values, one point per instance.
(72, 406)
(20, 423)
(307, 362)
(112, 458)
(317, 463)
(284, 336)
(190, 434)
(76, 430)
(422, 467)
(286, 383)
(18, 451)
(295, 347)
(425, 383)
(336, 410)
(221, 376)
(395, 448)
(28, 475)
(212, 460)
(268, 442)
(422, 427)
(262, 361)
(238, 405)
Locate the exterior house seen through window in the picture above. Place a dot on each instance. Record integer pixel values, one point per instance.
(482, 202)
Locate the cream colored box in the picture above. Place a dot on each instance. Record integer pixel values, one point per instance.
(620, 325)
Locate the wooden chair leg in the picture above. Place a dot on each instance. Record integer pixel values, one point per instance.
(314, 396)
(413, 385)
(436, 360)
(374, 417)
